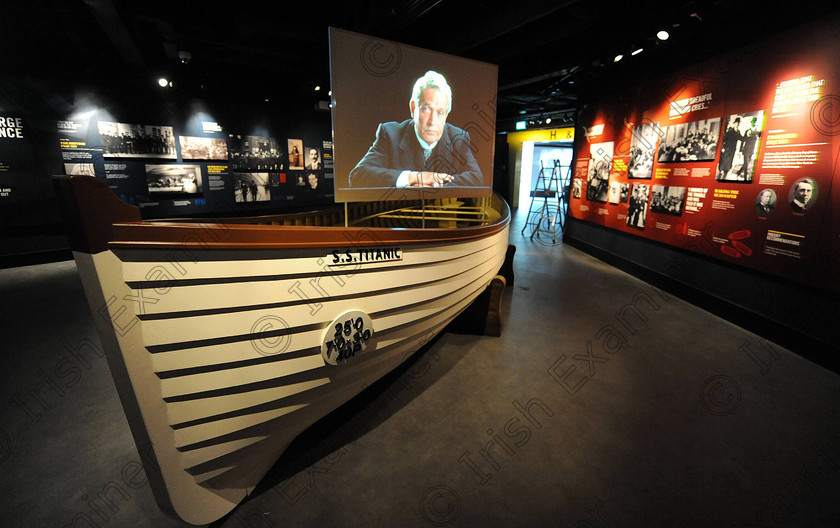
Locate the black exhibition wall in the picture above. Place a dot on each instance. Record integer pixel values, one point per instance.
(171, 152)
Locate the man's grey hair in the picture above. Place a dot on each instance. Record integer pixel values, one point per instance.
(432, 79)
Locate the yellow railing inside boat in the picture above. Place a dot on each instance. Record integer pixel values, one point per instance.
(440, 213)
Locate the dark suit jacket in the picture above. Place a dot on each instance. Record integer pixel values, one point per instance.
(396, 149)
(797, 208)
(763, 210)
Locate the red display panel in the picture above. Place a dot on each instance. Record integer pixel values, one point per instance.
(733, 158)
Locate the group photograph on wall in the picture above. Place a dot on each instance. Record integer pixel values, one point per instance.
(137, 141)
(600, 166)
(173, 180)
(694, 141)
(255, 153)
(643, 150)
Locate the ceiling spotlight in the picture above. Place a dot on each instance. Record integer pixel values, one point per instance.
(317, 88)
(662, 35)
(162, 82)
(547, 120)
(329, 94)
(637, 51)
(618, 57)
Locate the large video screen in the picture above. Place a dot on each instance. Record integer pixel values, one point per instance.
(409, 123)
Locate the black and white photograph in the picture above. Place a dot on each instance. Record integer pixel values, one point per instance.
(802, 195)
(203, 148)
(173, 180)
(251, 187)
(124, 140)
(695, 141)
(637, 212)
(313, 159)
(79, 169)
(600, 164)
(667, 200)
(296, 155)
(315, 184)
(577, 183)
(624, 194)
(255, 154)
(643, 150)
(765, 202)
(615, 192)
(739, 148)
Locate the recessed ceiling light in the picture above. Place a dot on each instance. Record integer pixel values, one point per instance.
(162, 82)
(638, 51)
(618, 57)
(662, 35)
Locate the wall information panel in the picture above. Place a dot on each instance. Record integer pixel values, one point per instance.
(734, 158)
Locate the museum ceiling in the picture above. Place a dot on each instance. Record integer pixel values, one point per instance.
(552, 55)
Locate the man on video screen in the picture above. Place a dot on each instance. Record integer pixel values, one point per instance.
(424, 151)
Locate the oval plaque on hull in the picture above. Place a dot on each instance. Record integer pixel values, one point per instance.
(347, 336)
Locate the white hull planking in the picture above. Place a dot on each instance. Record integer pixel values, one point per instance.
(220, 403)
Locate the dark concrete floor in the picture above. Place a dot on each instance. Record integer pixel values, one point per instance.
(585, 413)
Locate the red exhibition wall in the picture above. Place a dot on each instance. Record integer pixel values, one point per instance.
(734, 158)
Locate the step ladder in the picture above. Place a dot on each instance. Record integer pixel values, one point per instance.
(546, 212)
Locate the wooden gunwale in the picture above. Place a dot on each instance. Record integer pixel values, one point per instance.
(106, 222)
(207, 235)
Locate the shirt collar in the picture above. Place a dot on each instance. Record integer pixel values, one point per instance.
(423, 144)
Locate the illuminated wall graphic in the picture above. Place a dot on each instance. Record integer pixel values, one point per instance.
(735, 159)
